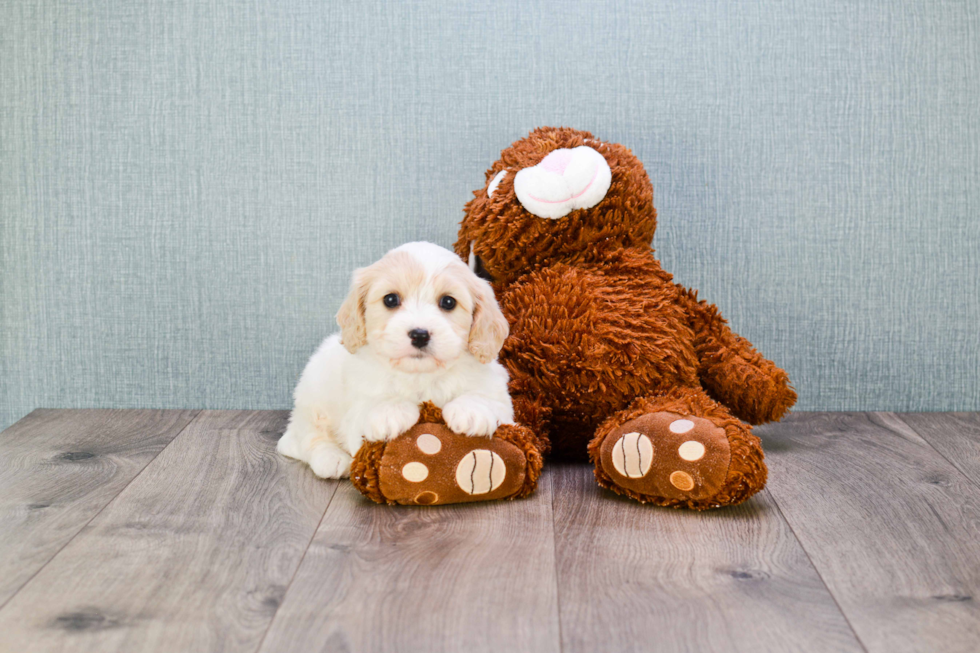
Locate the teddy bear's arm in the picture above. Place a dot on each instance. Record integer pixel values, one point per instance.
(732, 371)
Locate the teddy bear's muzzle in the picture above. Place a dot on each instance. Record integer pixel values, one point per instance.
(565, 180)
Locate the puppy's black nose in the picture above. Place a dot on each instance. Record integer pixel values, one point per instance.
(419, 338)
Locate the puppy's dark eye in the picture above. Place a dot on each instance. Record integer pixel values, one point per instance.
(447, 303)
(392, 300)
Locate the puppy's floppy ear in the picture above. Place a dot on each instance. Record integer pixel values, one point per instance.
(490, 328)
(350, 317)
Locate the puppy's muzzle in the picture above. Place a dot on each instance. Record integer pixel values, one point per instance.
(419, 338)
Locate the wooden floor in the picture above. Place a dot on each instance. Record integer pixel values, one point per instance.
(184, 531)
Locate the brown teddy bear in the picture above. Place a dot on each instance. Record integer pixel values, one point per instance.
(609, 359)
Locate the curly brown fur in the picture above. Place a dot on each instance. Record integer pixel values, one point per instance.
(597, 323)
(580, 353)
(529, 412)
(525, 440)
(364, 470)
(429, 413)
(747, 469)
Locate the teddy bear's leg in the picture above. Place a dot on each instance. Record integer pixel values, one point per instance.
(532, 414)
(429, 464)
(679, 449)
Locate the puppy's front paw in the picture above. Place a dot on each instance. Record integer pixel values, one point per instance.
(330, 462)
(471, 416)
(391, 420)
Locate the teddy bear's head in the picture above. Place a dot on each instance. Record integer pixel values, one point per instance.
(552, 195)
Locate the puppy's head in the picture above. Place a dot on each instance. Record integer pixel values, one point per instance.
(421, 308)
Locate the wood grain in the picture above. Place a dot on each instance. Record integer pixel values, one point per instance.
(197, 548)
(472, 577)
(59, 468)
(194, 555)
(633, 577)
(954, 435)
(891, 526)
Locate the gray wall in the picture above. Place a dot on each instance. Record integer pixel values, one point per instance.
(185, 186)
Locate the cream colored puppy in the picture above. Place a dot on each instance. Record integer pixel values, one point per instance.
(417, 326)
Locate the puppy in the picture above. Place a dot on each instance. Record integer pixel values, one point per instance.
(417, 326)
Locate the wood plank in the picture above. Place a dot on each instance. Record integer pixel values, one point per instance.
(194, 555)
(892, 527)
(954, 435)
(59, 468)
(474, 577)
(632, 577)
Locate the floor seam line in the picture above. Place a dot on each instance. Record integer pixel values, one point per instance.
(554, 556)
(298, 565)
(101, 510)
(816, 570)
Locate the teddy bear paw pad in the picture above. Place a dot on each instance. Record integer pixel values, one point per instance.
(430, 464)
(480, 471)
(666, 455)
(632, 455)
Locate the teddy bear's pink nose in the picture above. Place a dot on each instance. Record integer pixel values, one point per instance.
(557, 161)
(565, 180)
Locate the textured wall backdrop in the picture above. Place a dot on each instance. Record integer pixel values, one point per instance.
(185, 186)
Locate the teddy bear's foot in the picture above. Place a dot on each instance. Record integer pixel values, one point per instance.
(667, 455)
(679, 457)
(430, 465)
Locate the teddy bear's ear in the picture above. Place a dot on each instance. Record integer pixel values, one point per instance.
(564, 181)
(499, 177)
